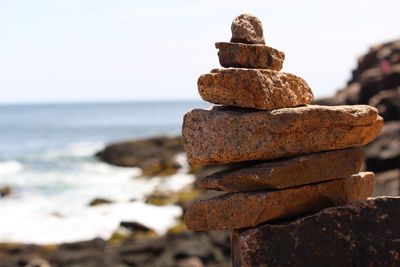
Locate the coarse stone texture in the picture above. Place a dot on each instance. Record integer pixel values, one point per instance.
(359, 234)
(253, 56)
(243, 210)
(247, 29)
(224, 135)
(301, 170)
(254, 88)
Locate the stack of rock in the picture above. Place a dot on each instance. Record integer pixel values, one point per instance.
(293, 158)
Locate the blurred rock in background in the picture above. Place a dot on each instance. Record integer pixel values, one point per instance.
(376, 82)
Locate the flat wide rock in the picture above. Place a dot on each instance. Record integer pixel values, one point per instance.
(254, 56)
(224, 135)
(292, 172)
(254, 88)
(359, 234)
(243, 210)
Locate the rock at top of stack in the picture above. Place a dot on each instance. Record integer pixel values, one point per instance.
(247, 48)
(238, 55)
(255, 80)
(247, 29)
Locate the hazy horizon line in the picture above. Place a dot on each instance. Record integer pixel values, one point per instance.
(89, 101)
(111, 101)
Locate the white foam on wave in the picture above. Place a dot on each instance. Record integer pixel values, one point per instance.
(33, 221)
(86, 181)
(179, 180)
(35, 214)
(10, 167)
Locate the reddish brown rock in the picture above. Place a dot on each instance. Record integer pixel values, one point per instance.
(224, 135)
(254, 88)
(359, 234)
(253, 56)
(296, 171)
(247, 29)
(243, 210)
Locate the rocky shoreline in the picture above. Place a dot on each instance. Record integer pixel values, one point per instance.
(183, 250)
(376, 81)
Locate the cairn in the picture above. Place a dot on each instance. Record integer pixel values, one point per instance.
(295, 158)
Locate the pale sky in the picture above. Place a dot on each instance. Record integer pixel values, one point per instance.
(98, 50)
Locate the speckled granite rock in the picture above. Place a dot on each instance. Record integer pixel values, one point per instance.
(254, 56)
(243, 210)
(254, 88)
(223, 135)
(359, 234)
(292, 172)
(247, 29)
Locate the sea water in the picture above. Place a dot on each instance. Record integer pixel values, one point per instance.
(47, 158)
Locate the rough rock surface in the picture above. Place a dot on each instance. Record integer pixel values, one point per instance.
(359, 234)
(225, 135)
(253, 56)
(301, 170)
(247, 29)
(243, 210)
(254, 88)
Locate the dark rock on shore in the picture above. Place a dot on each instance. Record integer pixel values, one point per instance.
(99, 201)
(209, 249)
(378, 70)
(5, 191)
(388, 104)
(361, 234)
(384, 153)
(155, 156)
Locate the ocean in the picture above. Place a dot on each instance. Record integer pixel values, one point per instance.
(47, 158)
